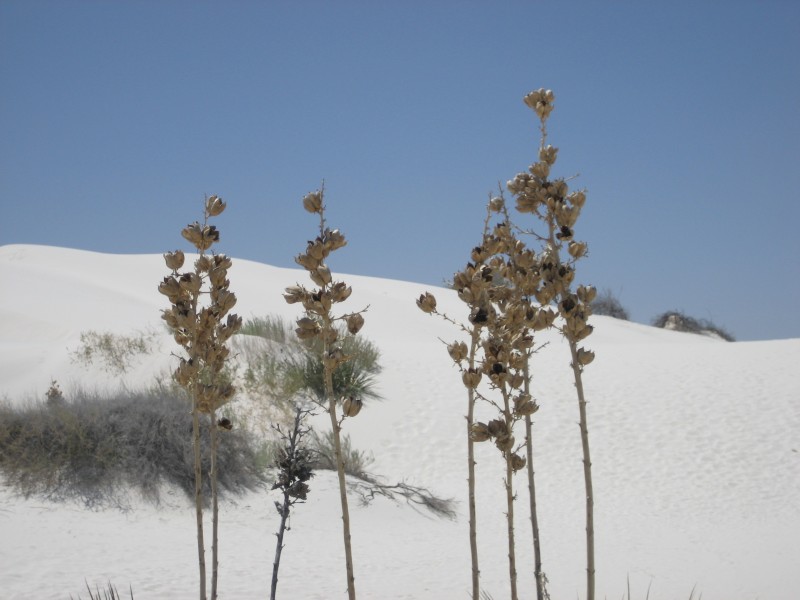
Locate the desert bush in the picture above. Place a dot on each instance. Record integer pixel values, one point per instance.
(678, 321)
(115, 351)
(93, 448)
(608, 305)
(319, 326)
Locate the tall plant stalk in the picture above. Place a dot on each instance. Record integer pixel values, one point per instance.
(537, 549)
(319, 323)
(551, 202)
(200, 330)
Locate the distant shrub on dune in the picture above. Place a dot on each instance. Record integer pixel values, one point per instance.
(608, 305)
(679, 321)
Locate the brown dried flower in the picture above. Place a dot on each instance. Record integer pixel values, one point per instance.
(427, 302)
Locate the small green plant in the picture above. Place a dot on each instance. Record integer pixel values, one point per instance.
(202, 330)
(319, 325)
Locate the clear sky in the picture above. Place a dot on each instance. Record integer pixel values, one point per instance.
(682, 119)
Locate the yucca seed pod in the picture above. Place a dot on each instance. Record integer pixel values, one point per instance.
(540, 169)
(225, 301)
(307, 328)
(340, 291)
(426, 302)
(457, 351)
(354, 323)
(321, 275)
(585, 356)
(203, 264)
(518, 462)
(218, 277)
(578, 199)
(471, 378)
(525, 408)
(316, 250)
(548, 155)
(576, 249)
(497, 428)
(479, 432)
(295, 294)
(170, 287)
(174, 260)
(333, 240)
(313, 202)
(352, 406)
(190, 282)
(516, 381)
(214, 206)
(504, 442)
(496, 204)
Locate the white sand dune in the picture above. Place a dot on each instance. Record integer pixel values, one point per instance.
(695, 442)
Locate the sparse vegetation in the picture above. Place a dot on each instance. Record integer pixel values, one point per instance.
(114, 351)
(678, 321)
(110, 592)
(93, 448)
(608, 305)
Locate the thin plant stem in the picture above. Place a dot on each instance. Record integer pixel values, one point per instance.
(587, 472)
(214, 506)
(473, 524)
(537, 550)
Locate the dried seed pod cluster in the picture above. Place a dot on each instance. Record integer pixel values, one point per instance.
(202, 330)
(552, 202)
(318, 321)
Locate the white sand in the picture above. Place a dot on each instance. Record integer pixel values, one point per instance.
(695, 445)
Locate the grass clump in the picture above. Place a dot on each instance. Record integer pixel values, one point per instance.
(93, 448)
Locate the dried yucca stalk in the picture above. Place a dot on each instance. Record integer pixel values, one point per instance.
(551, 201)
(201, 324)
(320, 323)
(491, 286)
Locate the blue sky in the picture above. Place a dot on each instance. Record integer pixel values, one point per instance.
(682, 119)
